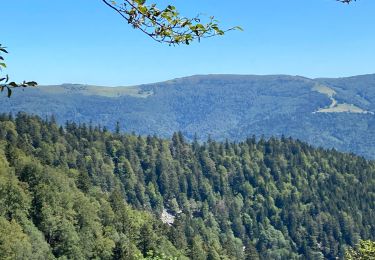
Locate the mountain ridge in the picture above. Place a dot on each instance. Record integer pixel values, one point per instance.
(221, 106)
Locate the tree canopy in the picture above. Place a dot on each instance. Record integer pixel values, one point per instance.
(364, 250)
(82, 192)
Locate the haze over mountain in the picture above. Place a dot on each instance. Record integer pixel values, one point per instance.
(333, 113)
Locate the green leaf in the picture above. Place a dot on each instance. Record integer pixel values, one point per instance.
(143, 9)
(140, 2)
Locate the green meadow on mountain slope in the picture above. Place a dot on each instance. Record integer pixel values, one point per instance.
(85, 193)
(333, 113)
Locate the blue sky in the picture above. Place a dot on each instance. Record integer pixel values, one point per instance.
(83, 41)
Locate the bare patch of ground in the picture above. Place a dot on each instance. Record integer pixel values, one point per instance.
(335, 106)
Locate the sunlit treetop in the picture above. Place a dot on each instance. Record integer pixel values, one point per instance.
(364, 250)
(166, 25)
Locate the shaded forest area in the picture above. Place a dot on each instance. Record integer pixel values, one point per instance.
(83, 192)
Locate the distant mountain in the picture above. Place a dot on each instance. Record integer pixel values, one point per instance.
(333, 113)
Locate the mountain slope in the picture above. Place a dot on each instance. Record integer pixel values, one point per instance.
(62, 193)
(335, 113)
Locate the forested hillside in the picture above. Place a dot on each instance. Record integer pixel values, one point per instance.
(83, 192)
(332, 113)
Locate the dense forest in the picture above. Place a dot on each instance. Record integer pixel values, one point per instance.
(83, 192)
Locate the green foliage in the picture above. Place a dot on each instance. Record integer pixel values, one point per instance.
(4, 80)
(14, 243)
(44, 215)
(365, 250)
(166, 25)
(82, 192)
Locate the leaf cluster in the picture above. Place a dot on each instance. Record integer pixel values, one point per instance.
(4, 81)
(166, 25)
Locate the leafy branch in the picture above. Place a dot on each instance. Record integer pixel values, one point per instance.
(4, 80)
(166, 25)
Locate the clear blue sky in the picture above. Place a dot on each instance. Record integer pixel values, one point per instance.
(83, 41)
